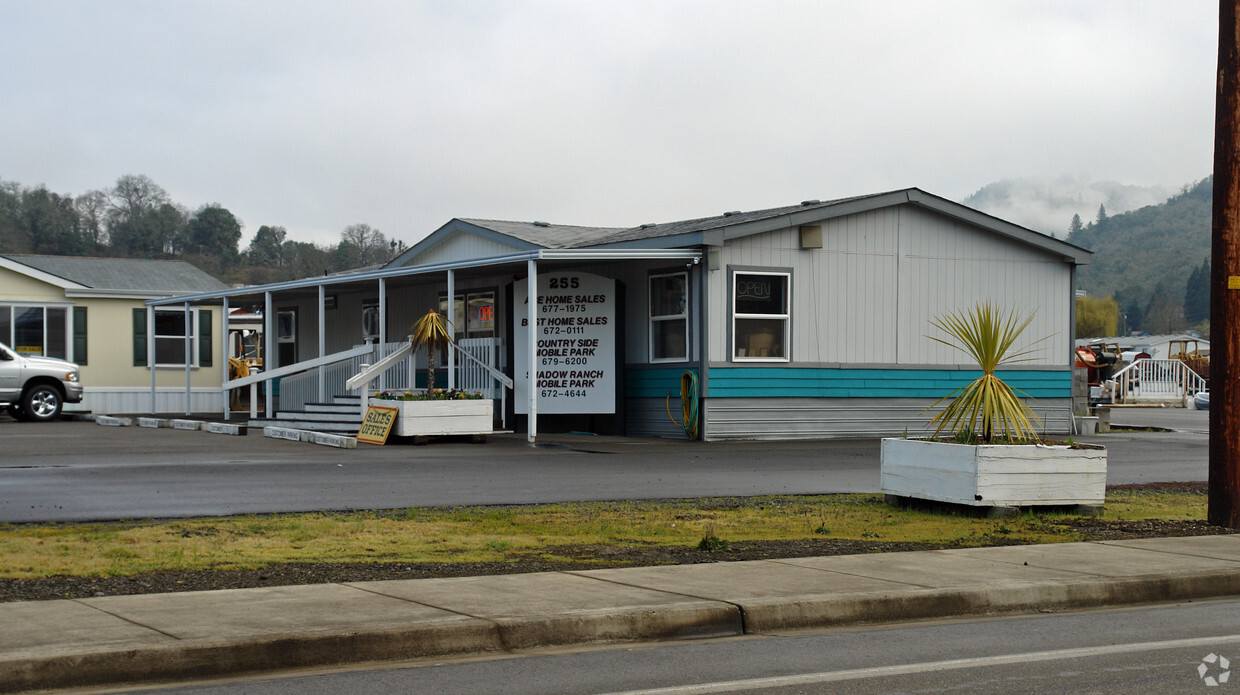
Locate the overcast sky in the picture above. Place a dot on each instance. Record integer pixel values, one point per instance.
(316, 115)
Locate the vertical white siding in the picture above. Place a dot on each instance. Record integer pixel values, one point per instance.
(868, 295)
(950, 266)
(461, 247)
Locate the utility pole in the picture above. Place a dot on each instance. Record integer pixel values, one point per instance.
(1224, 495)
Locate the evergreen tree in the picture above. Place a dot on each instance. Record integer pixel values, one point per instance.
(1197, 295)
(1075, 227)
(1102, 214)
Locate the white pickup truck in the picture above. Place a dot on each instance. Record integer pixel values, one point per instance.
(36, 388)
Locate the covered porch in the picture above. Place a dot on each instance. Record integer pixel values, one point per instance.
(345, 336)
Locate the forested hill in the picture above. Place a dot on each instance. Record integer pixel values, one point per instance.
(1148, 253)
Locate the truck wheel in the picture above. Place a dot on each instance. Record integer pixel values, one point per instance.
(42, 403)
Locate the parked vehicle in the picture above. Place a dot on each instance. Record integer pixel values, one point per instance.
(35, 387)
(1202, 400)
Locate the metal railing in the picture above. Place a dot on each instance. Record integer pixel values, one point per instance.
(1157, 381)
(299, 389)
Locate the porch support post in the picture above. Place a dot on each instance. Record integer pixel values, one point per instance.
(269, 362)
(532, 314)
(189, 352)
(150, 351)
(450, 319)
(226, 353)
(322, 343)
(383, 339)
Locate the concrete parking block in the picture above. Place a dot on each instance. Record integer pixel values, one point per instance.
(288, 433)
(553, 608)
(192, 425)
(337, 440)
(153, 422)
(226, 428)
(113, 421)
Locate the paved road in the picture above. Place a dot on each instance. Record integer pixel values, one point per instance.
(69, 471)
(1156, 649)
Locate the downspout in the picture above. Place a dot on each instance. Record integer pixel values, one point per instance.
(378, 355)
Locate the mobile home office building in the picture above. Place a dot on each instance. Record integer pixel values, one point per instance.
(805, 321)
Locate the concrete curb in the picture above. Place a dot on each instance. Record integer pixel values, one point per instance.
(192, 658)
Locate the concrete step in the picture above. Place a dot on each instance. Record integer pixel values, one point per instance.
(328, 426)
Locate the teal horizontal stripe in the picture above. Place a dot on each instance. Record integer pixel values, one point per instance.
(767, 382)
(654, 383)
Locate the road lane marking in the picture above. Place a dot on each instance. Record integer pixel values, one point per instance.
(951, 664)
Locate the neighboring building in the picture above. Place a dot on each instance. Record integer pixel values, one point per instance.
(91, 311)
(810, 320)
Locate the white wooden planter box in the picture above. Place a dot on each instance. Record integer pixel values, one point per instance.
(994, 475)
(437, 418)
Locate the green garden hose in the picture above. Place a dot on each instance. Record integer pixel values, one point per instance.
(688, 404)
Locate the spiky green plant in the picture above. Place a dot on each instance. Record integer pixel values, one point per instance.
(986, 405)
(432, 331)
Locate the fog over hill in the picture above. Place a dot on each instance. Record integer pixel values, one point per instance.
(1048, 204)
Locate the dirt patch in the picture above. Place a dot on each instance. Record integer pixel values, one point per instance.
(548, 559)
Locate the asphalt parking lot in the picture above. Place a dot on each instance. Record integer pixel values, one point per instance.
(69, 471)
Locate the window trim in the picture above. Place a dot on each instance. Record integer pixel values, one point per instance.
(786, 317)
(651, 319)
(67, 307)
(194, 337)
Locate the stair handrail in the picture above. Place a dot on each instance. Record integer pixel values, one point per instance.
(369, 374)
(1185, 378)
(498, 375)
(297, 367)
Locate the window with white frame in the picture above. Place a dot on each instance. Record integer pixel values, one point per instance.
(170, 331)
(35, 330)
(760, 316)
(669, 317)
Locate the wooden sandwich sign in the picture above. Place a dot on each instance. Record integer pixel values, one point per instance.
(377, 424)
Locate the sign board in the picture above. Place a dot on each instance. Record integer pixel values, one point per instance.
(576, 344)
(377, 424)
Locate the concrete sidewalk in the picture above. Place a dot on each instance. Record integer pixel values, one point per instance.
(131, 639)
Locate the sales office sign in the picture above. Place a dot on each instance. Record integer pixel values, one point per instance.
(576, 333)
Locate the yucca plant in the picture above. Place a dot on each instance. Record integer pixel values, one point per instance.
(432, 331)
(987, 405)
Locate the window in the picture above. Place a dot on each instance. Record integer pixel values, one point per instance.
(473, 313)
(170, 331)
(36, 330)
(760, 316)
(669, 317)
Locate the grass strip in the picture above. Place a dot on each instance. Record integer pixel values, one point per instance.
(497, 534)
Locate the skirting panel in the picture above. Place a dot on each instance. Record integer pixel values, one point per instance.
(138, 400)
(824, 418)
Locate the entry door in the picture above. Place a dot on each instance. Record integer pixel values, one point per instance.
(286, 336)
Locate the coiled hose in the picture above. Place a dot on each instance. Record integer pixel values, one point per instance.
(688, 405)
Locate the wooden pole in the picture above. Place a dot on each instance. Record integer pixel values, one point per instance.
(1224, 490)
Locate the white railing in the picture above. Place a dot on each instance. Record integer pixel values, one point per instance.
(1157, 381)
(477, 369)
(473, 375)
(299, 389)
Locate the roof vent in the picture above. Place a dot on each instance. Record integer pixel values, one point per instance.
(734, 212)
(540, 223)
(810, 202)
